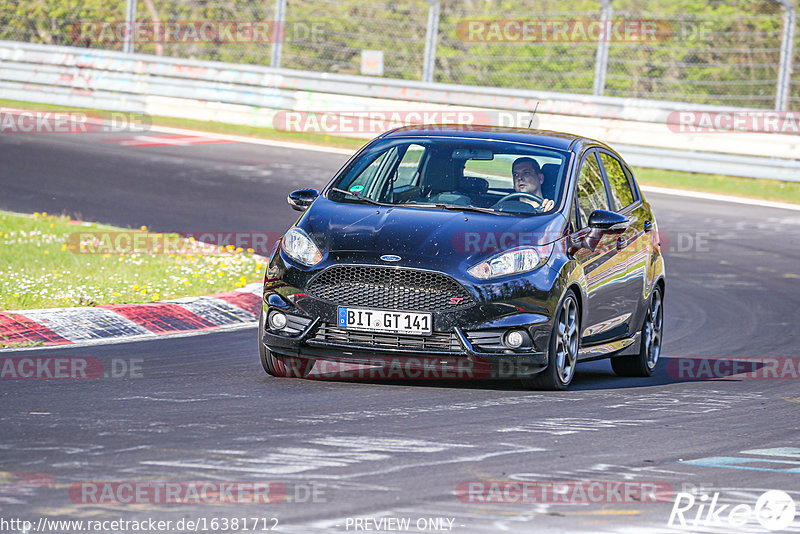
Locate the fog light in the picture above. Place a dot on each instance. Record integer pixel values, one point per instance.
(514, 339)
(277, 321)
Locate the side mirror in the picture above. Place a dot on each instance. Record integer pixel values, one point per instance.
(302, 198)
(607, 220)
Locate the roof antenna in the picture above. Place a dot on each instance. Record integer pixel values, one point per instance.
(533, 114)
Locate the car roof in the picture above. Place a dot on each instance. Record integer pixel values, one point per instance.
(558, 140)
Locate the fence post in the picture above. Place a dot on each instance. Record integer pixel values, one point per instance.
(431, 36)
(278, 33)
(601, 60)
(787, 53)
(130, 21)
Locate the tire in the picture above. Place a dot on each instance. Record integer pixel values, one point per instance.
(281, 366)
(562, 355)
(644, 363)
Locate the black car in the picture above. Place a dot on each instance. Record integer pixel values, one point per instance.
(427, 256)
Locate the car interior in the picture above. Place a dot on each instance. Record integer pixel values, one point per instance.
(413, 174)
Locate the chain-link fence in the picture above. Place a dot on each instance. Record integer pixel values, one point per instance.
(730, 52)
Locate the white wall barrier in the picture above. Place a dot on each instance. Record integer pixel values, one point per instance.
(648, 133)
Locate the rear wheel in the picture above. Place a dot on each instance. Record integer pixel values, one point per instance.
(563, 349)
(280, 366)
(644, 363)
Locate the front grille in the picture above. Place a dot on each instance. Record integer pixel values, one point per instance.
(389, 288)
(436, 342)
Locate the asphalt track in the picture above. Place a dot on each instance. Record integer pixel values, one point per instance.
(200, 408)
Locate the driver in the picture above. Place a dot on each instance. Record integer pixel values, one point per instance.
(528, 178)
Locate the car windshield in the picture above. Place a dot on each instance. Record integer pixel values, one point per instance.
(468, 174)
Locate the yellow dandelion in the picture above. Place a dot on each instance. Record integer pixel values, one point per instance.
(47, 252)
(64, 247)
(250, 250)
(117, 294)
(44, 214)
(143, 228)
(240, 249)
(35, 214)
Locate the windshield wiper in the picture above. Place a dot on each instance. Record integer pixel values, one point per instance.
(470, 208)
(359, 196)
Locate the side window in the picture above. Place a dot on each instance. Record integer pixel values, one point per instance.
(620, 187)
(408, 170)
(591, 191)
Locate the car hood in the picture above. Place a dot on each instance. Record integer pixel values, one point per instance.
(423, 236)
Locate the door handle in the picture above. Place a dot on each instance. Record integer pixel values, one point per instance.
(648, 226)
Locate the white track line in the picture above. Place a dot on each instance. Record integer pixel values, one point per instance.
(720, 198)
(257, 141)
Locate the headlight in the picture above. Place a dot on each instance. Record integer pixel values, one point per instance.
(298, 246)
(519, 260)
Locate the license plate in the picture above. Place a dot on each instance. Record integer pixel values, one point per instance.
(385, 321)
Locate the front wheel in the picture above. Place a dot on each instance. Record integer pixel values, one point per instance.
(280, 366)
(644, 363)
(563, 348)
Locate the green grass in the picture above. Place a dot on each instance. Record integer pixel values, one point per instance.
(47, 261)
(775, 190)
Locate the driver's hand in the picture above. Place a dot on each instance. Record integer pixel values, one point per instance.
(546, 205)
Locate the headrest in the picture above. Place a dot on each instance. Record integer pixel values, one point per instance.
(550, 172)
(473, 185)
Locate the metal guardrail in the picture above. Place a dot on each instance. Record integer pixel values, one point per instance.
(247, 94)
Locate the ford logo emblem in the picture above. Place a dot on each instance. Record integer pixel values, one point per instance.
(391, 257)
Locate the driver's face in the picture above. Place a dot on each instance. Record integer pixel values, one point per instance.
(527, 179)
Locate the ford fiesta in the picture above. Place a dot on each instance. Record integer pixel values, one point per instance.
(441, 252)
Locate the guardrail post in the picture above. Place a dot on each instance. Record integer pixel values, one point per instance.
(130, 22)
(431, 36)
(787, 53)
(601, 60)
(278, 33)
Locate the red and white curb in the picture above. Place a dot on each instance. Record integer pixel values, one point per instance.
(123, 322)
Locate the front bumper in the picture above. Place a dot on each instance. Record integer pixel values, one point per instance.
(469, 335)
(454, 354)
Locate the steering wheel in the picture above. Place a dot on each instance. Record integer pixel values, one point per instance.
(511, 196)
